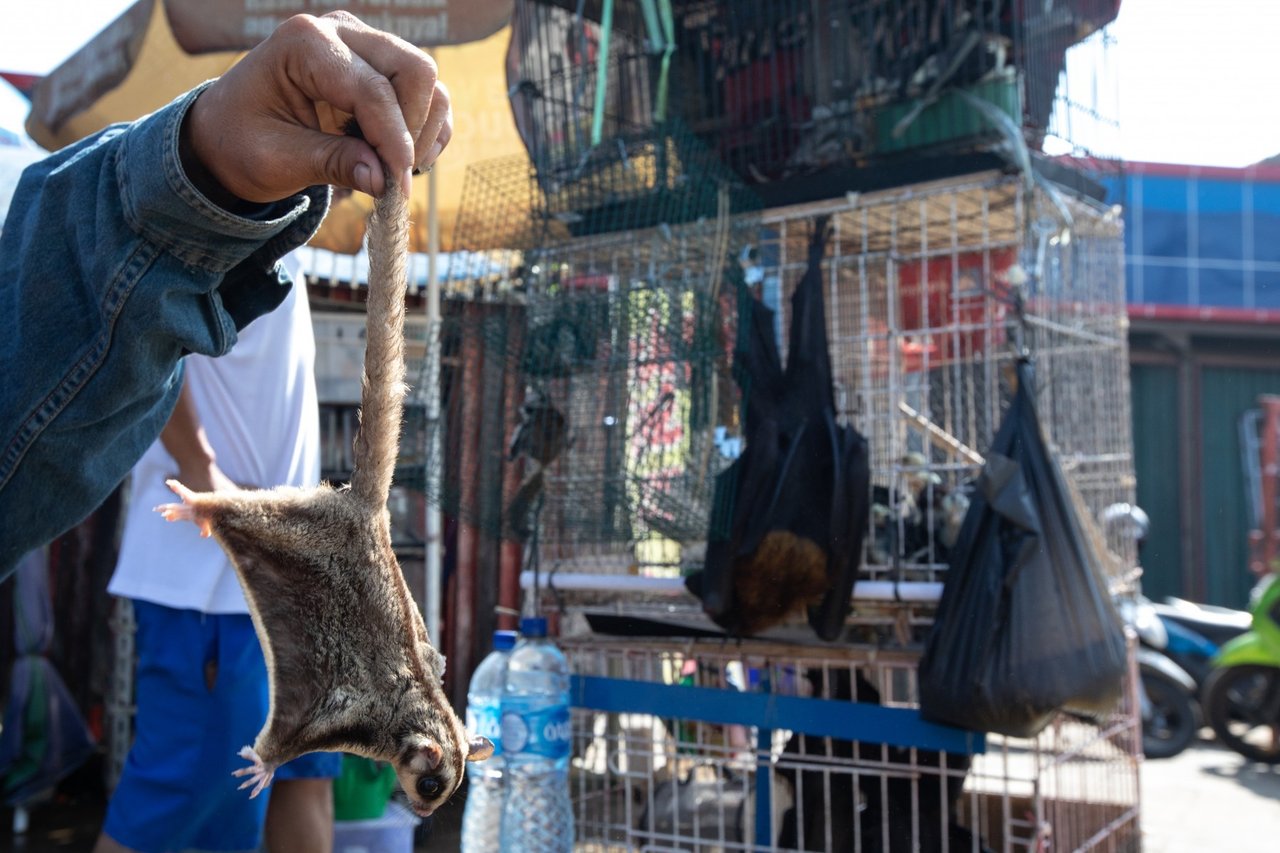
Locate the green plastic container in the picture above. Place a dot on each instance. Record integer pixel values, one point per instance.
(363, 789)
(948, 119)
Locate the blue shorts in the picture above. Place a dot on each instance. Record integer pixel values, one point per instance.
(177, 791)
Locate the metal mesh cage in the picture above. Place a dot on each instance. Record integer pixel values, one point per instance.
(931, 291)
(780, 88)
(661, 176)
(780, 743)
(586, 380)
(676, 748)
(622, 323)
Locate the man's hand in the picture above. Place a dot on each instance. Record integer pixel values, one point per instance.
(204, 478)
(184, 437)
(272, 125)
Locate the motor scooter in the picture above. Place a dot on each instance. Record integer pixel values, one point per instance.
(1197, 632)
(1241, 699)
(1166, 691)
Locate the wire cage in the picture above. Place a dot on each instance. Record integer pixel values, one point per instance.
(590, 401)
(623, 342)
(783, 88)
(688, 740)
(597, 371)
(706, 746)
(932, 294)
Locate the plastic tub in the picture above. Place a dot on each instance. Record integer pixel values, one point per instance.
(363, 789)
(391, 833)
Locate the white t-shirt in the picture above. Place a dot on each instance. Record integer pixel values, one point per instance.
(258, 407)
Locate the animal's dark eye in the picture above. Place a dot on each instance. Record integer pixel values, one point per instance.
(429, 787)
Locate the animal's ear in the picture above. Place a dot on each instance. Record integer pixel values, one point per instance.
(480, 749)
(426, 756)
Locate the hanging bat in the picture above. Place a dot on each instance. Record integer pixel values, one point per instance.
(349, 662)
(795, 501)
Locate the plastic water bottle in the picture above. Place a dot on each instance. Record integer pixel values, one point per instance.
(482, 816)
(536, 742)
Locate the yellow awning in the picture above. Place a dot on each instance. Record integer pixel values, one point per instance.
(136, 66)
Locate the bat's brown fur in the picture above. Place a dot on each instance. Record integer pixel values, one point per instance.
(784, 575)
(351, 667)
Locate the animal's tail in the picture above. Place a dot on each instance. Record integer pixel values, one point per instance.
(382, 397)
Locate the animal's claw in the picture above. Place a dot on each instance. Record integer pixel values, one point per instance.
(260, 775)
(185, 511)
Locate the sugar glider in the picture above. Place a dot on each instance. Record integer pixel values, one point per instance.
(351, 667)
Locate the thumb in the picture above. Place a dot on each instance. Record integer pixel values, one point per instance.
(344, 161)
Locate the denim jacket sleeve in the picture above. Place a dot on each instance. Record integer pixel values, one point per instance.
(112, 267)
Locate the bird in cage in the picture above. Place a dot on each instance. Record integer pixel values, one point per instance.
(920, 523)
(542, 432)
(541, 435)
(955, 505)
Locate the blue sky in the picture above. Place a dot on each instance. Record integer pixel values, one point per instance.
(1197, 79)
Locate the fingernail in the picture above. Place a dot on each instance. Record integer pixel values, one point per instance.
(432, 154)
(406, 182)
(363, 178)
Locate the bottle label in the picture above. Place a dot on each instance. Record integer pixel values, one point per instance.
(542, 731)
(486, 720)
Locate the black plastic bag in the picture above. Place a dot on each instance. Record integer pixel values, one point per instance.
(1026, 626)
(796, 499)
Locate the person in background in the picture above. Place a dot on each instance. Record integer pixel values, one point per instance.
(248, 418)
(150, 241)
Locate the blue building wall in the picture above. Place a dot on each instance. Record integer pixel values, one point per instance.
(1202, 237)
(1202, 271)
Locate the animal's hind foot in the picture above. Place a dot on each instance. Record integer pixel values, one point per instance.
(260, 775)
(185, 511)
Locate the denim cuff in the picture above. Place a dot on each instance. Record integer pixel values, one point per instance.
(163, 205)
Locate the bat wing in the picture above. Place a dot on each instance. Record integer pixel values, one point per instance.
(743, 491)
(742, 495)
(807, 389)
(850, 513)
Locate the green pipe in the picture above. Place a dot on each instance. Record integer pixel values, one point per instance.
(669, 47)
(651, 23)
(602, 73)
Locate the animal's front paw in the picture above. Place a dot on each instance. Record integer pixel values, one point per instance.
(259, 774)
(187, 510)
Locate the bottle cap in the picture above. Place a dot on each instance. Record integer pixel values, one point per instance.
(504, 640)
(533, 627)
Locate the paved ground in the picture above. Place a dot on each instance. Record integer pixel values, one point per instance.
(1210, 799)
(1204, 801)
